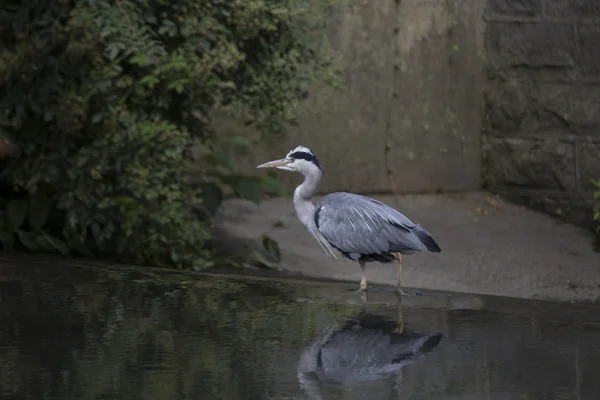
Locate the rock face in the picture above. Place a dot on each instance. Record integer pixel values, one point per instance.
(541, 130)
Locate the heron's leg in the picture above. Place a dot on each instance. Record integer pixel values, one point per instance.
(399, 284)
(399, 318)
(363, 281)
(363, 299)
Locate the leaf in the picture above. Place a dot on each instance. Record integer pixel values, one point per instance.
(150, 81)
(16, 212)
(27, 240)
(225, 160)
(227, 85)
(39, 209)
(272, 185)
(259, 258)
(113, 53)
(272, 247)
(220, 159)
(7, 239)
(212, 197)
(43, 243)
(138, 59)
(249, 188)
(61, 246)
(238, 141)
(203, 264)
(97, 117)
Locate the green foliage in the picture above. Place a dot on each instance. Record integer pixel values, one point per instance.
(217, 174)
(102, 100)
(597, 208)
(25, 222)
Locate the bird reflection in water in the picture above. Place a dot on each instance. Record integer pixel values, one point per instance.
(366, 348)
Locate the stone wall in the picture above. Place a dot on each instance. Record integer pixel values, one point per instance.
(541, 131)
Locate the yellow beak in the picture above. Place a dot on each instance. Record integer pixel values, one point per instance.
(275, 163)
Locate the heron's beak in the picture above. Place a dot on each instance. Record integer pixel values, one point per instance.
(275, 164)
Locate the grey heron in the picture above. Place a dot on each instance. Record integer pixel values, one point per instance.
(362, 229)
(365, 348)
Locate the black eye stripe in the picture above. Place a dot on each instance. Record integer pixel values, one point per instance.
(302, 155)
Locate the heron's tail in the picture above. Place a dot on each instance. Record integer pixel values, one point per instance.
(426, 239)
(408, 349)
(430, 343)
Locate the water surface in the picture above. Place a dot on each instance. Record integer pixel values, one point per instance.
(77, 331)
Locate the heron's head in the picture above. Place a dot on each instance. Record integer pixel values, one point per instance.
(300, 159)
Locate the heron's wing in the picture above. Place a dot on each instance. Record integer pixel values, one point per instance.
(405, 347)
(359, 225)
(364, 354)
(356, 350)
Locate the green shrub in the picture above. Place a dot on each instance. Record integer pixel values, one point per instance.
(101, 101)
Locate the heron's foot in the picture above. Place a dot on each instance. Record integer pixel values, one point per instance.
(363, 285)
(362, 289)
(398, 329)
(409, 293)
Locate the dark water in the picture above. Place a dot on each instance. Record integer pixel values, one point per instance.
(76, 332)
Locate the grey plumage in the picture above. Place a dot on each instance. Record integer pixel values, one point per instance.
(364, 229)
(367, 347)
(360, 228)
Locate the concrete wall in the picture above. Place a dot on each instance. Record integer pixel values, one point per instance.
(413, 71)
(541, 130)
(451, 95)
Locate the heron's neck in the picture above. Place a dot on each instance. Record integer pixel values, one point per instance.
(302, 199)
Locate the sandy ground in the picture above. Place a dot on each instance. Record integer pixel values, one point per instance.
(488, 247)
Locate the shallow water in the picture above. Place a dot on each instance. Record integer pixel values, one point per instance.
(75, 331)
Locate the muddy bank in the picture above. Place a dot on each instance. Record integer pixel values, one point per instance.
(489, 247)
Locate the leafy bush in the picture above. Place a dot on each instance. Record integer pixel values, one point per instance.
(101, 101)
